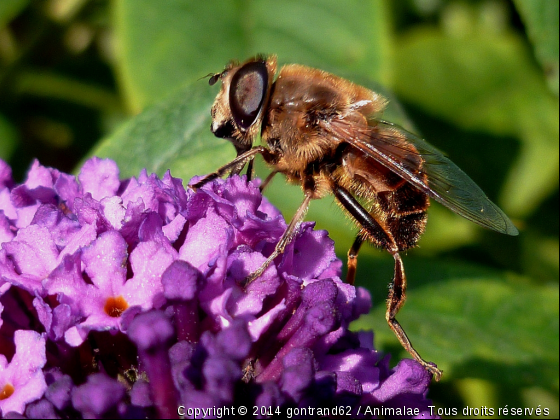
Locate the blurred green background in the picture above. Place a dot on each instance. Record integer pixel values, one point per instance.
(477, 79)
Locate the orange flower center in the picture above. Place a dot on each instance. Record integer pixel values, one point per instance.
(115, 306)
(6, 392)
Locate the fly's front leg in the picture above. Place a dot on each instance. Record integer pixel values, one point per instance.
(396, 299)
(236, 163)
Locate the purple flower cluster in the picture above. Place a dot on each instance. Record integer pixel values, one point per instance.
(127, 299)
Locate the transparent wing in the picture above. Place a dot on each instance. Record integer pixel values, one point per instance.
(389, 145)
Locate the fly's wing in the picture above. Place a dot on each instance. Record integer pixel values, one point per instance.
(389, 145)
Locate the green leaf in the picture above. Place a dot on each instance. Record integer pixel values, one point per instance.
(9, 9)
(166, 43)
(173, 134)
(541, 20)
(487, 83)
(8, 138)
(474, 323)
(163, 44)
(53, 85)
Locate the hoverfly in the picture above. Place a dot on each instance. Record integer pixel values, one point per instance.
(325, 133)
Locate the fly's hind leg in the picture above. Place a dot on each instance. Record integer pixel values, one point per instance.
(397, 292)
(395, 301)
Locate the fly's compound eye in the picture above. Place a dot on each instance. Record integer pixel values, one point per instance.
(247, 92)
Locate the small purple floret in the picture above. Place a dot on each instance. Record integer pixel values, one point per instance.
(22, 379)
(98, 396)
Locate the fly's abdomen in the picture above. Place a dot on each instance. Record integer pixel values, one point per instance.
(405, 214)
